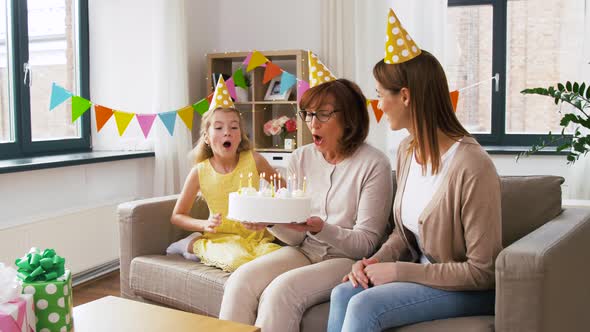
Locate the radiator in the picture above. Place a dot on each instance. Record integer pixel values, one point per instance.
(88, 239)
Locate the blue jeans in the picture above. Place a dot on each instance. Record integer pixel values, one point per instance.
(401, 303)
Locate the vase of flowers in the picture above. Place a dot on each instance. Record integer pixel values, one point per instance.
(282, 127)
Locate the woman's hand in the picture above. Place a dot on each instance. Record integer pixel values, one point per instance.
(312, 224)
(357, 275)
(381, 273)
(212, 223)
(254, 226)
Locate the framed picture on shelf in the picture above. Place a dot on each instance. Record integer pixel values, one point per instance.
(274, 90)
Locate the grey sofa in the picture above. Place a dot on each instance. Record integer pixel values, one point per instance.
(542, 275)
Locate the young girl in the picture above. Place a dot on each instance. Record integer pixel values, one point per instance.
(224, 160)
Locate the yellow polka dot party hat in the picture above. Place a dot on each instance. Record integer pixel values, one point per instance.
(399, 46)
(221, 97)
(318, 72)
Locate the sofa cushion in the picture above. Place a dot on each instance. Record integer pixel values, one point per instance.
(179, 283)
(316, 319)
(527, 203)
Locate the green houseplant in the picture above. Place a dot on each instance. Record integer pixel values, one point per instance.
(577, 95)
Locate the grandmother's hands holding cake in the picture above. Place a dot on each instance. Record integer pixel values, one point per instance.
(312, 224)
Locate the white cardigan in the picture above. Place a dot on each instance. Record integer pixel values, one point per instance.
(353, 197)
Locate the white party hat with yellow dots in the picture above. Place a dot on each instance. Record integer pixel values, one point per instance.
(221, 97)
(399, 46)
(318, 72)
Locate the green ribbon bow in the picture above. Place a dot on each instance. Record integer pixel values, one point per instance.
(37, 266)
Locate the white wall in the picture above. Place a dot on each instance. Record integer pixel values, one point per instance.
(71, 209)
(231, 25)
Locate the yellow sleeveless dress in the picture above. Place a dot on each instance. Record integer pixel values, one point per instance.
(232, 245)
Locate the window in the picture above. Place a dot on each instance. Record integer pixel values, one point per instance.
(42, 41)
(530, 43)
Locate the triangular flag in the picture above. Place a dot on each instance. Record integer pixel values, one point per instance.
(210, 97)
(378, 112)
(168, 119)
(186, 114)
(454, 99)
(79, 107)
(58, 96)
(145, 122)
(256, 60)
(318, 72)
(123, 119)
(287, 81)
(221, 97)
(202, 106)
(231, 87)
(247, 59)
(271, 72)
(102, 115)
(302, 86)
(239, 79)
(399, 46)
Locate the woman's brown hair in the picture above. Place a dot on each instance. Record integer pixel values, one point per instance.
(352, 104)
(430, 103)
(202, 150)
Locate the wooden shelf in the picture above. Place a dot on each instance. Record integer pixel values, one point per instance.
(257, 111)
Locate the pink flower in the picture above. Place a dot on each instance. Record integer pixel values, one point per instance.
(267, 127)
(281, 125)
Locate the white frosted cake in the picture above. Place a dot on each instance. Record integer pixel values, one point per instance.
(265, 206)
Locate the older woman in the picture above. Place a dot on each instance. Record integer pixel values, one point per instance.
(351, 188)
(439, 261)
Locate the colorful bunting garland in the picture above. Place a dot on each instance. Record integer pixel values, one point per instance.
(253, 60)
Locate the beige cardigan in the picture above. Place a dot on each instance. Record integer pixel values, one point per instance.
(460, 228)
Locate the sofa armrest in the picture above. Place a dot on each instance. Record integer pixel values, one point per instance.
(145, 229)
(542, 279)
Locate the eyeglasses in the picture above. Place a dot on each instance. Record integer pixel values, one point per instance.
(322, 116)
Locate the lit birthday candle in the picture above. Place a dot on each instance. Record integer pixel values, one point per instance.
(304, 180)
(250, 180)
(260, 183)
(289, 183)
(241, 176)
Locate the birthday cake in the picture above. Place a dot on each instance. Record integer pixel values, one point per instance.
(269, 206)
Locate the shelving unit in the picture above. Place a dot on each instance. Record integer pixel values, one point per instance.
(255, 110)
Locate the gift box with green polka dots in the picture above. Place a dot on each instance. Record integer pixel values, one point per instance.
(53, 303)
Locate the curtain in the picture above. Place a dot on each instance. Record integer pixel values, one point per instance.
(579, 178)
(170, 92)
(352, 41)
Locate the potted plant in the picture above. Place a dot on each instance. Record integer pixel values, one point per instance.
(577, 95)
(242, 93)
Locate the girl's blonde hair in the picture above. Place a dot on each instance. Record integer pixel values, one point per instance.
(202, 150)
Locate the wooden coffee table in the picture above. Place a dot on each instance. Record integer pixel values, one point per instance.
(114, 314)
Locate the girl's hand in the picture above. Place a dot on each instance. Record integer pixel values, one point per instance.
(254, 226)
(313, 225)
(381, 273)
(212, 223)
(357, 275)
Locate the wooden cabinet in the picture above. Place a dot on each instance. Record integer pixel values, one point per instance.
(256, 110)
